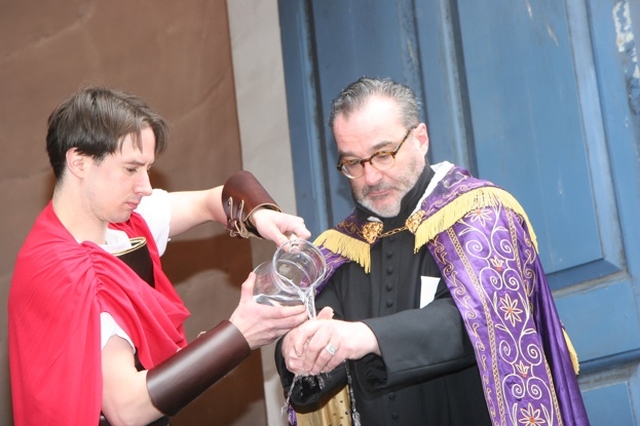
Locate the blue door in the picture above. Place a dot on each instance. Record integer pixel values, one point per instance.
(541, 97)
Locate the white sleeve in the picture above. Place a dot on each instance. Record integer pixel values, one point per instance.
(109, 328)
(156, 211)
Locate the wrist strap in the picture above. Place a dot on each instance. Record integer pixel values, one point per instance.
(180, 379)
(242, 195)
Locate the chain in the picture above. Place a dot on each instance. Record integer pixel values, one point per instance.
(393, 231)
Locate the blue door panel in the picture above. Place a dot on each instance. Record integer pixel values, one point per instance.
(609, 405)
(526, 121)
(602, 322)
(619, 88)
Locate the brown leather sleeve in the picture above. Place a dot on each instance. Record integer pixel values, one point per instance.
(242, 194)
(180, 379)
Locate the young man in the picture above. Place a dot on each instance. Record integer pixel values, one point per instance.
(95, 327)
(442, 313)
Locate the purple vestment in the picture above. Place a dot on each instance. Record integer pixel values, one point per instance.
(481, 240)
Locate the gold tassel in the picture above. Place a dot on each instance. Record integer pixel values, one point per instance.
(349, 247)
(335, 412)
(477, 199)
(572, 352)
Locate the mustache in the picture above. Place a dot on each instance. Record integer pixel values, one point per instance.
(382, 186)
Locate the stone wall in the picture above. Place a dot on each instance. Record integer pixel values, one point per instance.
(177, 56)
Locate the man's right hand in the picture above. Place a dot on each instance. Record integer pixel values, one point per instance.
(262, 324)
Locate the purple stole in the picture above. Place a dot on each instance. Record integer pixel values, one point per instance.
(482, 241)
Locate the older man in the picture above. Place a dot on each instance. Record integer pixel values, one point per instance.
(443, 315)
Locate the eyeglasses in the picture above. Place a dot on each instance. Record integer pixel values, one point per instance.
(381, 160)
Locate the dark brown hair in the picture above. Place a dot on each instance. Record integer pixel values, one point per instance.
(95, 121)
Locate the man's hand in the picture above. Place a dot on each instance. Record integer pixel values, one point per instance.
(277, 227)
(262, 324)
(320, 345)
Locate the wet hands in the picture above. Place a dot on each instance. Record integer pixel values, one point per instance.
(320, 345)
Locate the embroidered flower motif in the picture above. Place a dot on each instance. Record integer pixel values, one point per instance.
(510, 309)
(531, 416)
(522, 369)
(479, 215)
(497, 263)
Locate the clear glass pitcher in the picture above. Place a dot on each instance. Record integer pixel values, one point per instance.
(291, 276)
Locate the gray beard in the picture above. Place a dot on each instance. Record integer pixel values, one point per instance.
(403, 185)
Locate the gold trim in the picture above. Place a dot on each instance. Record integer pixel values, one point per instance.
(136, 243)
(347, 246)
(336, 411)
(575, 362)
(424, 228)
(476, 199)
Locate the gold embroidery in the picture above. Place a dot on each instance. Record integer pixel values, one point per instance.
(414, 221)
(371, 231)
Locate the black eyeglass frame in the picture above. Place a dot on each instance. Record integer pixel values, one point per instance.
(342, 163)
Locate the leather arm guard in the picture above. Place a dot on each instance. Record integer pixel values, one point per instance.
(242, 195)
(180, 379)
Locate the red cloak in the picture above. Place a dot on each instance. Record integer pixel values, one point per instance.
(58, 290)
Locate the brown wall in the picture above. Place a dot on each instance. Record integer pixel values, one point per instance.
(176, 55)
